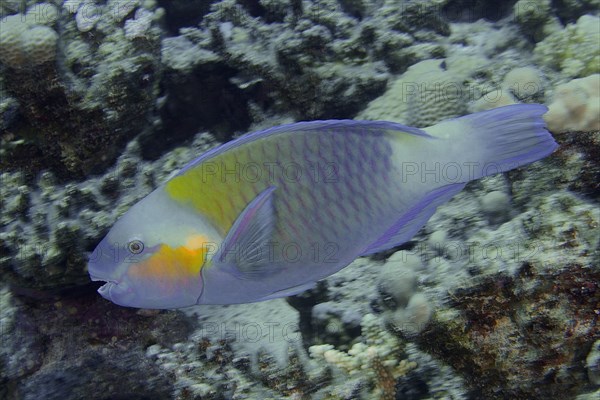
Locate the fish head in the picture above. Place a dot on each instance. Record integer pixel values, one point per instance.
(152, 256)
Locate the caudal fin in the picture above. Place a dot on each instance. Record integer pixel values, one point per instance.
(496, 140)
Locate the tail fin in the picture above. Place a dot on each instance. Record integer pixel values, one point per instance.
(496, 140)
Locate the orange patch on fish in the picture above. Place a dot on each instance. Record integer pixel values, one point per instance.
(174, 265)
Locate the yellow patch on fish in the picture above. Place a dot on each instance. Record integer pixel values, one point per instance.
(173, 265)
(216, 189)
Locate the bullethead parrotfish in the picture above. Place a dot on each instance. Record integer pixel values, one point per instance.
(272, 212)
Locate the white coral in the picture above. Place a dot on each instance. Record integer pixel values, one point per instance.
(575, 106)
(378, 345)
(139, 26)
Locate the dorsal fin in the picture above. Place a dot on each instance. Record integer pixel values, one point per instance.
(339, 124)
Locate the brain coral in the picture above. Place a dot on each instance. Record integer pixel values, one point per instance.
(424, 95)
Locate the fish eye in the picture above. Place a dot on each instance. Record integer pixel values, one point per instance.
(135, 246)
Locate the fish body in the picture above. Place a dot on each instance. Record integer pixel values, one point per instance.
(269, 214)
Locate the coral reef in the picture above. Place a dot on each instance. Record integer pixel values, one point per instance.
(81, 92)
(571, 10)
(496, 205)
(523, 336)
(25, 42)
(311, 60)
(513, 287)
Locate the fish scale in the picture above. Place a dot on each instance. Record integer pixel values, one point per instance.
(322, 196)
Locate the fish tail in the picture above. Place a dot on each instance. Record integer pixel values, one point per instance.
(496, 140)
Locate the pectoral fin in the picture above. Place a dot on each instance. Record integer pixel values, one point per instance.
(245, 250)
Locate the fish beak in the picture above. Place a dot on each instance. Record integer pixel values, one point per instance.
(107, 289)
(117, 292)
(104, 290)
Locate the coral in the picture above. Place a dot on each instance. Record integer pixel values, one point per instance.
(26, 41)
(435, 95)
(575, 106)
(334, 323)
(592, 362)
(496, 205)
(532, 17)
(406, 310)
(139, 26)
(8, 111)
(306, 60)
(574, 49)
(377, 358)
(526, 83)
(23, 45)
(11, 35)
(397, 281)
(515, 287)
(493, 99)
(80, 97)
(42, 14)
(424, 95)
(233, 353)
(412, 319)
(39, 44)
(589, 396)
(515, 333)
(330, 313)
(570, 10)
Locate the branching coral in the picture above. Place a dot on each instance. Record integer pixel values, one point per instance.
(377, 358)
(574, 49)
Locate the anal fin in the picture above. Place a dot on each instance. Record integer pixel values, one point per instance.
(414, 219)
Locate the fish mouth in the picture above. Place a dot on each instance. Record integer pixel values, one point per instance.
(118, 292)
(105, 289)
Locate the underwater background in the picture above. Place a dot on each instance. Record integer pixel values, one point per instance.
(497, 297)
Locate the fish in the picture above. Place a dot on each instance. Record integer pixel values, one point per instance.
(269, 214)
